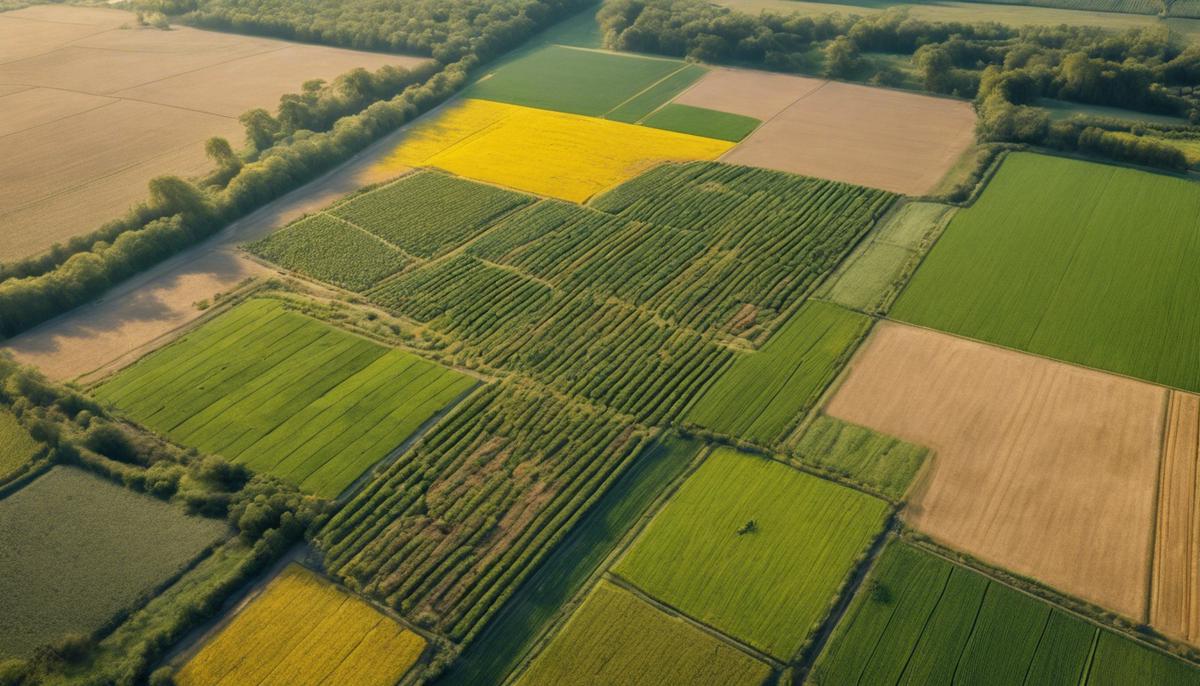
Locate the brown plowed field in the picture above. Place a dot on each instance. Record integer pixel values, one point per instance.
(92, 111)
(875, 137)
(1040, 467)
(758, 94)
(1175, 600)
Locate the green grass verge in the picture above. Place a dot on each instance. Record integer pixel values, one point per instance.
(616, 637)
(16, 445)
(284, 394)
(492, 655)
(874, 460)
(699, 121)
(1082, 262)
(761, 394)
(571, 80)
(329, 249)
(76, 549)
(637, 107)
(921, 619)
(771, 583)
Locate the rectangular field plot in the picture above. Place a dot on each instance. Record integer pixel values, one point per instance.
(332, 250)
(876, 461)
(616, 637)
(76, 549)
(702, 122)
(574, 157)
(763, 393)
(284, 394)
(16, 445)
(303, 630)
(920, 619)
(755, 548)
(1174, 600)
(1040, 467)
(1082, 262)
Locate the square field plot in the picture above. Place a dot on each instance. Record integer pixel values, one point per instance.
(616, 637)
(76, 549)
(303, 630)
(755, 548)
(285, 394)
(1088, 263)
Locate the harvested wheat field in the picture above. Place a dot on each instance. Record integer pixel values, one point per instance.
(1174, 601)
(758, 94)
(94, 109)
(1040, 467)
(868, 136)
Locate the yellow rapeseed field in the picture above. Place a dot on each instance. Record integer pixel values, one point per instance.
(304, 630)
(564, 156)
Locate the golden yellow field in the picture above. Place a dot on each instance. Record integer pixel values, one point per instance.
(549, 153)
(304, 630)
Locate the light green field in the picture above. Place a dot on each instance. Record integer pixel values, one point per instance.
(874, 460)
(636, 108)
(16, 445)
(578, 81)
(1088, 263)
(284, 394)
(760, 396)
(1060, 110)
(699, 121)
(871, 277)
(919, 619)
(616, 637)
(769, 586)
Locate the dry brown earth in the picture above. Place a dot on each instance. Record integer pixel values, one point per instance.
(876, 137)
(1175, 597)
(758, 94)
(92, 110)
(1040, 467)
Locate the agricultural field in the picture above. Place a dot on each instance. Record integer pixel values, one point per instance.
(284, 394)
(871, 278)
(332, 250)
(764, 393)
(922, 619)
(1058, 256)
(76, 550)
(102, 109)
(701, 122)
(1040, 437)
(1174, 602)
(754, 548)
(16, 445)
(576, 157)
(878, 462)
(303, 630)
(757, 94)
(616, 637)
(515, 627)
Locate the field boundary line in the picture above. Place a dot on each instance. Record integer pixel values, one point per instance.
(773, 117)
(640, 93)
(666, 608)
(1153, 565)
(111, 101)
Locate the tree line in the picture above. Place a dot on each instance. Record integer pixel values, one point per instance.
(1005, 69)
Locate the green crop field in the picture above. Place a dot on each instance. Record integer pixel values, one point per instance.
(16, 445)
(768, 583)
(765, 392)
(1077, 261)
(874, 460)
(921, 619)
(699, 121)
(873, 275)
(587, 82)
(284, 394)
(505, 639)
(616, 637)
(76, 549)
(638, 107)
(332, 250)
(427, 213)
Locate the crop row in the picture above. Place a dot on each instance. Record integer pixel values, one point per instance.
(448, 531)
(328, 249)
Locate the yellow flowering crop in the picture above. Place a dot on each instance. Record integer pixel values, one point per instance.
(304, 630)
(549, 153)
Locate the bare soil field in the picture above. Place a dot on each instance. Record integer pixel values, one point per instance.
(875, 137)
(95, 109)
(137, 315)
(758, 94)
(1175, 596)
(1043, 468)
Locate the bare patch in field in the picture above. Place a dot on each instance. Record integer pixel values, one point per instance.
(1040, 467)
(1175, 596)
(875, 137)
(758, 94)
(93, 111)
